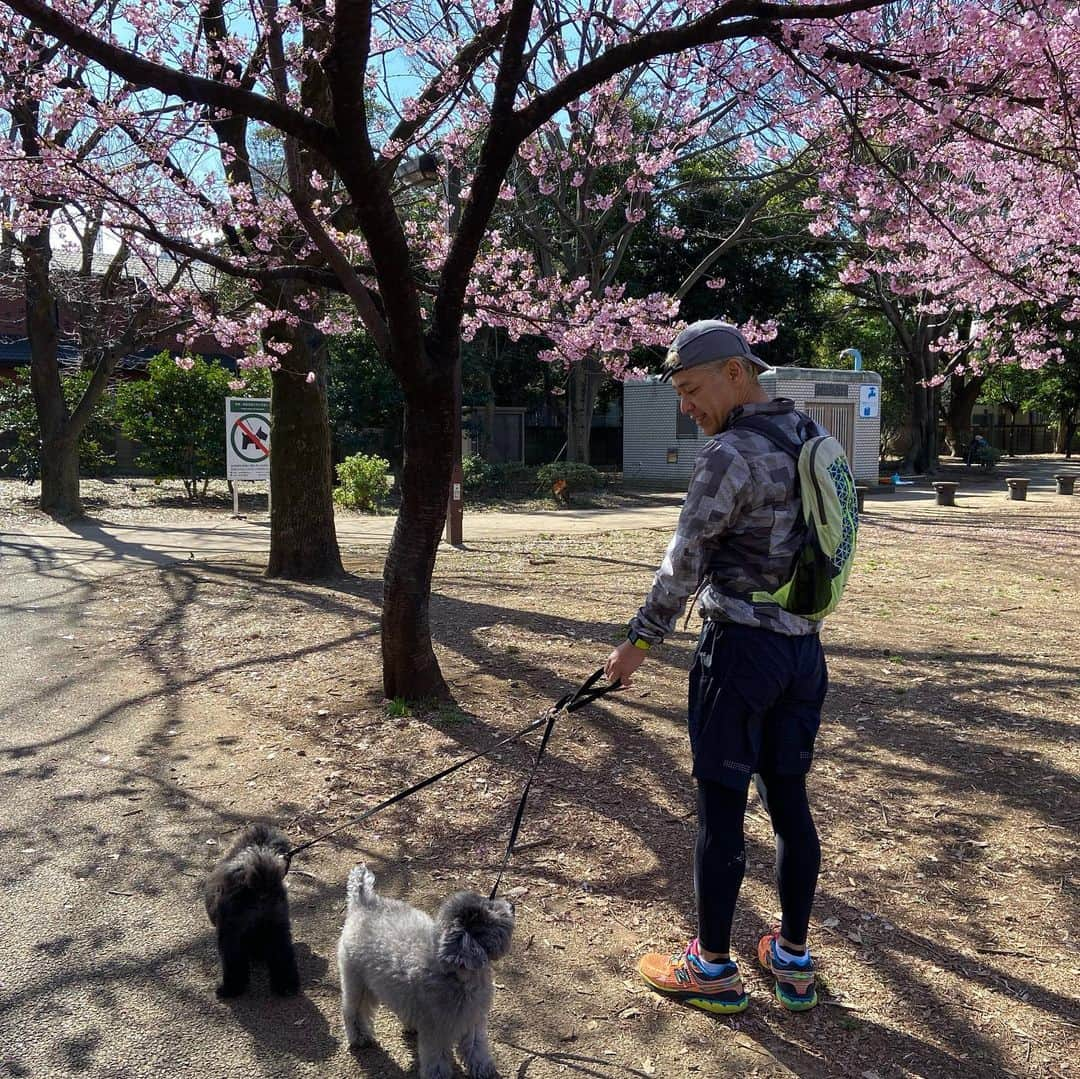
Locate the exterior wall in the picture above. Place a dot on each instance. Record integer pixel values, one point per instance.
(650, 411)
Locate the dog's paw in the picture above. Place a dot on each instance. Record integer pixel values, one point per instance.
(357, 1034)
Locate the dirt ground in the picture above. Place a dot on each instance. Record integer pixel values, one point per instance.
(945, 789)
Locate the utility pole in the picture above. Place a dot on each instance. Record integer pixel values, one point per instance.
(455, 507)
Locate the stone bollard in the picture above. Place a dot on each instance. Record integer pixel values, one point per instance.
(1017, 488)
(860, 494)
(946, 493)
(1064, 482)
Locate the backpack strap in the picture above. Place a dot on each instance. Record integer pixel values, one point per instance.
(771, 431)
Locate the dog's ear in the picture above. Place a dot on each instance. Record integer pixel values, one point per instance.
(459, 948)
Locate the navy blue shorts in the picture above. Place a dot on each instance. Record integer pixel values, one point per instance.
(755, 702)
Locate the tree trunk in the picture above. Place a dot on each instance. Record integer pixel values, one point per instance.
(303, 540)
(410, 668)
(60, 477)
(1012, 410)
(1066, 429)
(964, 392)
(922, 454)
(580, 399)
(487, 441)
(59, 460)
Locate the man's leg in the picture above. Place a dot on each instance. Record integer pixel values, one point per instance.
(798, 859)
(719, 865)
(798, 852)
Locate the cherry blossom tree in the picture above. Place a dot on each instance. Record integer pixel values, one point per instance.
(961, 195)
(69, 285)
(351, 88)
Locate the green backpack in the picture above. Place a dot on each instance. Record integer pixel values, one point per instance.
(830, 509)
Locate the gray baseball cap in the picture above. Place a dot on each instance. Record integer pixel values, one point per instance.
(704, 342)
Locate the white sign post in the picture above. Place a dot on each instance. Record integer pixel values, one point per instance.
(247, 443)
(869, 402)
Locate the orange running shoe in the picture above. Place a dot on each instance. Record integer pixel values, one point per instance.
(677, 976)
(794, 981)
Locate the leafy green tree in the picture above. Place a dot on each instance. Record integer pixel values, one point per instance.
(1058, 394)
(364, 399)
(177, 417)
(846, 323)
(20, 430)
(1016, 389)
(770, 266)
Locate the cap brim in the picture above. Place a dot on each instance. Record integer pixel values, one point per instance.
(757, 361)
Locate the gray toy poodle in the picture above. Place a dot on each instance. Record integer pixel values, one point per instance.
(434, 974)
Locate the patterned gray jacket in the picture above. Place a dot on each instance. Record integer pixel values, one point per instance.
(741, 524)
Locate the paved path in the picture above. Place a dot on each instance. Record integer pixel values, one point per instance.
(102, 547)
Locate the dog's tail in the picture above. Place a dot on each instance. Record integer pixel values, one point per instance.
(361, 887)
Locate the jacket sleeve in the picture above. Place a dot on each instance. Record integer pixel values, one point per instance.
(718, 492)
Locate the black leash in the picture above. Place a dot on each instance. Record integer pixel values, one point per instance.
(586, 693)
(583, 695)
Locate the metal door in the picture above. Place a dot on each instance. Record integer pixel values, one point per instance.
(838, 418)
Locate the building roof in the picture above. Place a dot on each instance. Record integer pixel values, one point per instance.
(15, 352)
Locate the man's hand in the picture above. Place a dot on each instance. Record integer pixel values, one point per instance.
(622, 663)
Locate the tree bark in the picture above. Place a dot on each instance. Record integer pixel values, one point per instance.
(410, 668)
(964, 392)
(59, 460)
(1066, 429)
(487, 443)
(303, 539)
(584, 382)
(922, 453)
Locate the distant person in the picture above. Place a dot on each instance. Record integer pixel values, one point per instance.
(975, 450)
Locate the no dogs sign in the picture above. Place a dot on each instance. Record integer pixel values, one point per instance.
(247, 439)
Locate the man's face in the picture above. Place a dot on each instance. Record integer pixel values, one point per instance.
(708, 393)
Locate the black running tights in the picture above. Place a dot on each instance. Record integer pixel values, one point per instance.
(720, 856)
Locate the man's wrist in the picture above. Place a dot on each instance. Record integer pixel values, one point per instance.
(637, 640)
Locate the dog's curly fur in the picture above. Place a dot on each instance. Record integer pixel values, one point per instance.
(434, 974)
(247, 903)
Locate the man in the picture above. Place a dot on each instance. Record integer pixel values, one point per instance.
(758, 679)
(975, 449)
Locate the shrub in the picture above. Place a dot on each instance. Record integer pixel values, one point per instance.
(364, 480)
(507, 478)
(478, 475)
(177, 417)
(564, 478)
(20, 437)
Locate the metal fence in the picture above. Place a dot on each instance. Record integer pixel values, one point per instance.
(1014, 438)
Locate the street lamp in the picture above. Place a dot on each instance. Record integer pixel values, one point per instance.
(422, 170)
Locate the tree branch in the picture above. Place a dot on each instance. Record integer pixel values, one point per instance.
(195, 88)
